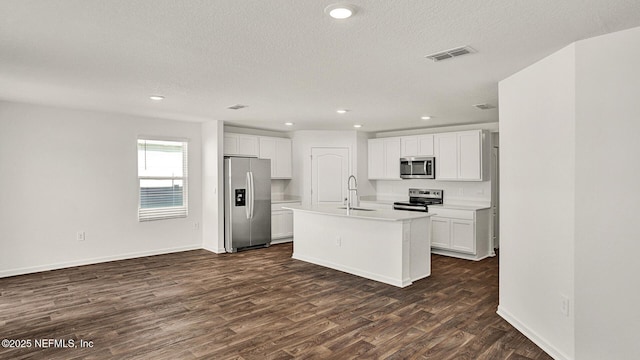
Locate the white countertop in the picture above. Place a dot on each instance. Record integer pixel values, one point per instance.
(384, 215)
(460, 207)
(284, 201)
(280, 199)
(453, 206)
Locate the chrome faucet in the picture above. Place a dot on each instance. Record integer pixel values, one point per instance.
(350, 189)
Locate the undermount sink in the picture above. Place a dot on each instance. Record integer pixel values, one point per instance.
(356, 208)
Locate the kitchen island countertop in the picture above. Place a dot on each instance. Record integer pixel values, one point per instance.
(374, 214)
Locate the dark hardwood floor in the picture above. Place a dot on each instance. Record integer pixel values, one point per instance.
(258, 304)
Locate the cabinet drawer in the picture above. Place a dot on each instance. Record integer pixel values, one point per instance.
(453, 213)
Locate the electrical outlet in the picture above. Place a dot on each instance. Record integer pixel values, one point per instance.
(339, 241)
(196, 225)
(564, 305)
(80, 236)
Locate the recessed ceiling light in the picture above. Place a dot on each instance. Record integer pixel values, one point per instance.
(342, 111)
(156, 97)
(425, 117)
(357, 126)
(340, 11)
(289, 123)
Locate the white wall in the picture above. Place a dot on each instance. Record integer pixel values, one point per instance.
(65, 171)
(365, 187)
(279, 187)
(213, 186)
(607, 169)
(303, 141)
(537, 174)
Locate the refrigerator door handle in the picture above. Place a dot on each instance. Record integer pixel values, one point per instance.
(249, 198)
(251, 193)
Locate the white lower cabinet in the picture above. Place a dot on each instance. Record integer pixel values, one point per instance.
(462, 236)
(440, 232)
(461, 233)
(281, 223)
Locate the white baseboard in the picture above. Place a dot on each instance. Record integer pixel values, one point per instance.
(215, 250)
(532, 335)
(56, 266)
(353, 271)
(460, 255)
(281, 241)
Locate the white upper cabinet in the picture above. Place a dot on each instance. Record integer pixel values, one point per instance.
(470, 155)
(231, 145)
(384, 159)
(459, 155)
(278, 150)
(425, 145)
(240, 144)
(417, 145)
(446, 151)
(284, 168)
(408, 146)
(392, 158)
(375, 155)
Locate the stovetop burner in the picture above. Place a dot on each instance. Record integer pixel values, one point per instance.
(420, 199)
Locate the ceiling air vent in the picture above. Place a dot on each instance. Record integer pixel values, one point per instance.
(451, 53)
(237, 107)
(484, 106)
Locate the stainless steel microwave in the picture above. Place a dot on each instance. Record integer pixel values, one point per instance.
(418, 167)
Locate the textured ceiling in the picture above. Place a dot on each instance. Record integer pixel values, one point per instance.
(286, 59)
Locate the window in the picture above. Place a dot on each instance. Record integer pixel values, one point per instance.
(162, 179)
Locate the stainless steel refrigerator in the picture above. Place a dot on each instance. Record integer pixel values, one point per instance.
(247, 199)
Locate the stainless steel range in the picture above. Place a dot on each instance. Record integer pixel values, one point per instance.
(420, 199)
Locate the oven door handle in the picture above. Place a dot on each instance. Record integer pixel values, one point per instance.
(408, 207)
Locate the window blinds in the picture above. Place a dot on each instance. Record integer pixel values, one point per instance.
(162, 179)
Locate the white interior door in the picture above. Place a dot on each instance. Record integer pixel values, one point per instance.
(329, 174)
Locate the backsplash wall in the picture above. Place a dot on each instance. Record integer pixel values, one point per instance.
(454, 191)
(278, 187)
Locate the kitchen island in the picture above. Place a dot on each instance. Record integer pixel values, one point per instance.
(389, 246)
